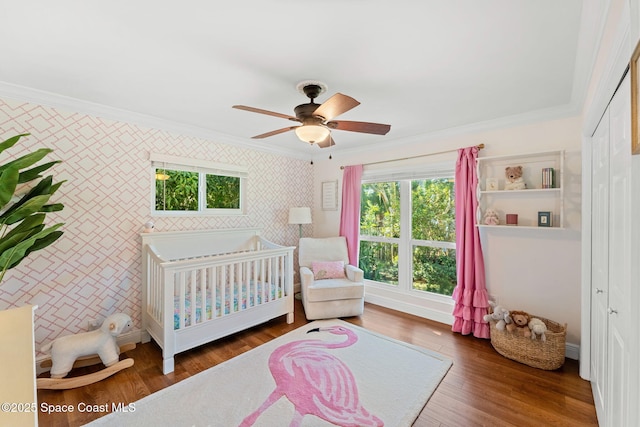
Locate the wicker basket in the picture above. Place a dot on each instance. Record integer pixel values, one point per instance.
(548, 355)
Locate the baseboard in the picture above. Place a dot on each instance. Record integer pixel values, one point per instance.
(572, 351)
(416, 310)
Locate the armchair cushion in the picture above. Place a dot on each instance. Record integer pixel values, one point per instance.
(329, 289)
(328, 270)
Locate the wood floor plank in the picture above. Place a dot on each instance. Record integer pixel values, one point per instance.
(481, 389)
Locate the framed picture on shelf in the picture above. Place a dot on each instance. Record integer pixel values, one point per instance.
(545, 219)
(491, 184)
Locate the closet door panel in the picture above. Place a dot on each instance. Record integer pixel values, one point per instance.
(600, 262)
(620, 316)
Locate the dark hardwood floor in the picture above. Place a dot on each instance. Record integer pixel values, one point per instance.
(481, 389)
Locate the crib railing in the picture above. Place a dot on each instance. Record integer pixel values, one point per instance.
(205, 288)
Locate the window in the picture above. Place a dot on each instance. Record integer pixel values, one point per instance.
(407, 231)
(188, 186)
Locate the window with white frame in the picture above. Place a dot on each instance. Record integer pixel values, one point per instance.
(407, 230)
(191, 186)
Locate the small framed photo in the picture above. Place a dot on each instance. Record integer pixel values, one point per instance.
(545, 219)
(491, 184)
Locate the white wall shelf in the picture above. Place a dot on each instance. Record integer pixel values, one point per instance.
(528, 202)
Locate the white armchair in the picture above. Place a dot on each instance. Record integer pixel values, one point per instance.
(326, 298)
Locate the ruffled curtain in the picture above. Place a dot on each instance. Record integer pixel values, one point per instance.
(470, 295)
(350, 213)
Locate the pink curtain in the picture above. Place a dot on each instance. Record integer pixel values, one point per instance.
(350, 214)
(470, 294)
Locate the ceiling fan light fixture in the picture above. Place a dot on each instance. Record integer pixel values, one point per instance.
(312, 133)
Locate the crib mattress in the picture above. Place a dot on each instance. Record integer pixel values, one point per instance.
(240, 299)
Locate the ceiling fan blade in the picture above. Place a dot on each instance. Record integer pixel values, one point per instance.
(274, 132)
(267, 112)
(335, 106)
(364, 127)
(327, 142)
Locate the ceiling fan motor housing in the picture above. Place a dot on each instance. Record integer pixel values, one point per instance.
(305, 111)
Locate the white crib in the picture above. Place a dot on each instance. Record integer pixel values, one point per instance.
(202, 285)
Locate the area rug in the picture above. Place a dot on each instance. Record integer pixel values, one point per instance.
(326, 373)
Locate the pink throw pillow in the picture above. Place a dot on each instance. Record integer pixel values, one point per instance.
(328, 270)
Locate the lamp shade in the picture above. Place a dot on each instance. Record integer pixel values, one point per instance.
(312, 133)
(299, 215)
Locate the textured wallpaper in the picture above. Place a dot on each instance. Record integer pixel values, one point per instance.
(93, 270)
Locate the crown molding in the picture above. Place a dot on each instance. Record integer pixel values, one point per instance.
(554, 113)
(54, 100)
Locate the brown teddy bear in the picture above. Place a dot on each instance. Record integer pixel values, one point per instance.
(520, 322)
(514, 178)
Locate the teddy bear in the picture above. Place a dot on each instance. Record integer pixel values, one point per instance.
(491, 217)
(538, 328)
(520, 322)
(102, 341)
(500, 315)
(514, 178)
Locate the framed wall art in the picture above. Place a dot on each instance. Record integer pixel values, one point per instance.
(329, 195)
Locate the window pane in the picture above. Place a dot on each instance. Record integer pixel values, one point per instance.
(379, 261)
(433, 210)
(223, 192)
(434, 269)
(380, 209)
(176, 190)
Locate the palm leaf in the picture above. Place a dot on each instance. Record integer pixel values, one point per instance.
(11, 142)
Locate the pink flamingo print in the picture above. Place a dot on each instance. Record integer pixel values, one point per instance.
(316, 382)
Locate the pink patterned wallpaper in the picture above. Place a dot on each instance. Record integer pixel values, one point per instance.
(93, 270)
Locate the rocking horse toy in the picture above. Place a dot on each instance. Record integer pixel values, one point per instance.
(86, 349)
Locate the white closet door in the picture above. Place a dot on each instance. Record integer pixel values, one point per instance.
(600, 262)
(619, 310)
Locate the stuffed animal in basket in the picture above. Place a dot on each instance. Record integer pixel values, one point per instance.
(102, 341)
(538, 328)
(520, 323)
(514, 178)
(491, 217)
(500, 315)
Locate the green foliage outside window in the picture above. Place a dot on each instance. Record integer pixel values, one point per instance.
(432, 219)
(178, 191)
(380, 217)
(379, 261)
(433, 210)
(223, 192)
(380, 209)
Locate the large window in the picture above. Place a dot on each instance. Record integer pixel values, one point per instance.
(192, 186)
(407, 233)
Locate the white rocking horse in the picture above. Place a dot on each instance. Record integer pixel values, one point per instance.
(86, 349)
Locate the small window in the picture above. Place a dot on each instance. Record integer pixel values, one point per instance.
(188, 186)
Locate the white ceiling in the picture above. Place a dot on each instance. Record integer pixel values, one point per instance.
(422, 66)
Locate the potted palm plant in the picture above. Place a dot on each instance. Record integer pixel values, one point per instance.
(24, 204)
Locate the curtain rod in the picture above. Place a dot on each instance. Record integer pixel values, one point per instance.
(480, 147)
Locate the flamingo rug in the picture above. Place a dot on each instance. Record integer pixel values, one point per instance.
(326, 373)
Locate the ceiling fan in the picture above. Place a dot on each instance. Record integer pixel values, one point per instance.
(317, 119)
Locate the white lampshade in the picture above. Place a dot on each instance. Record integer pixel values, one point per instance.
(312, 133)
(299, 215)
